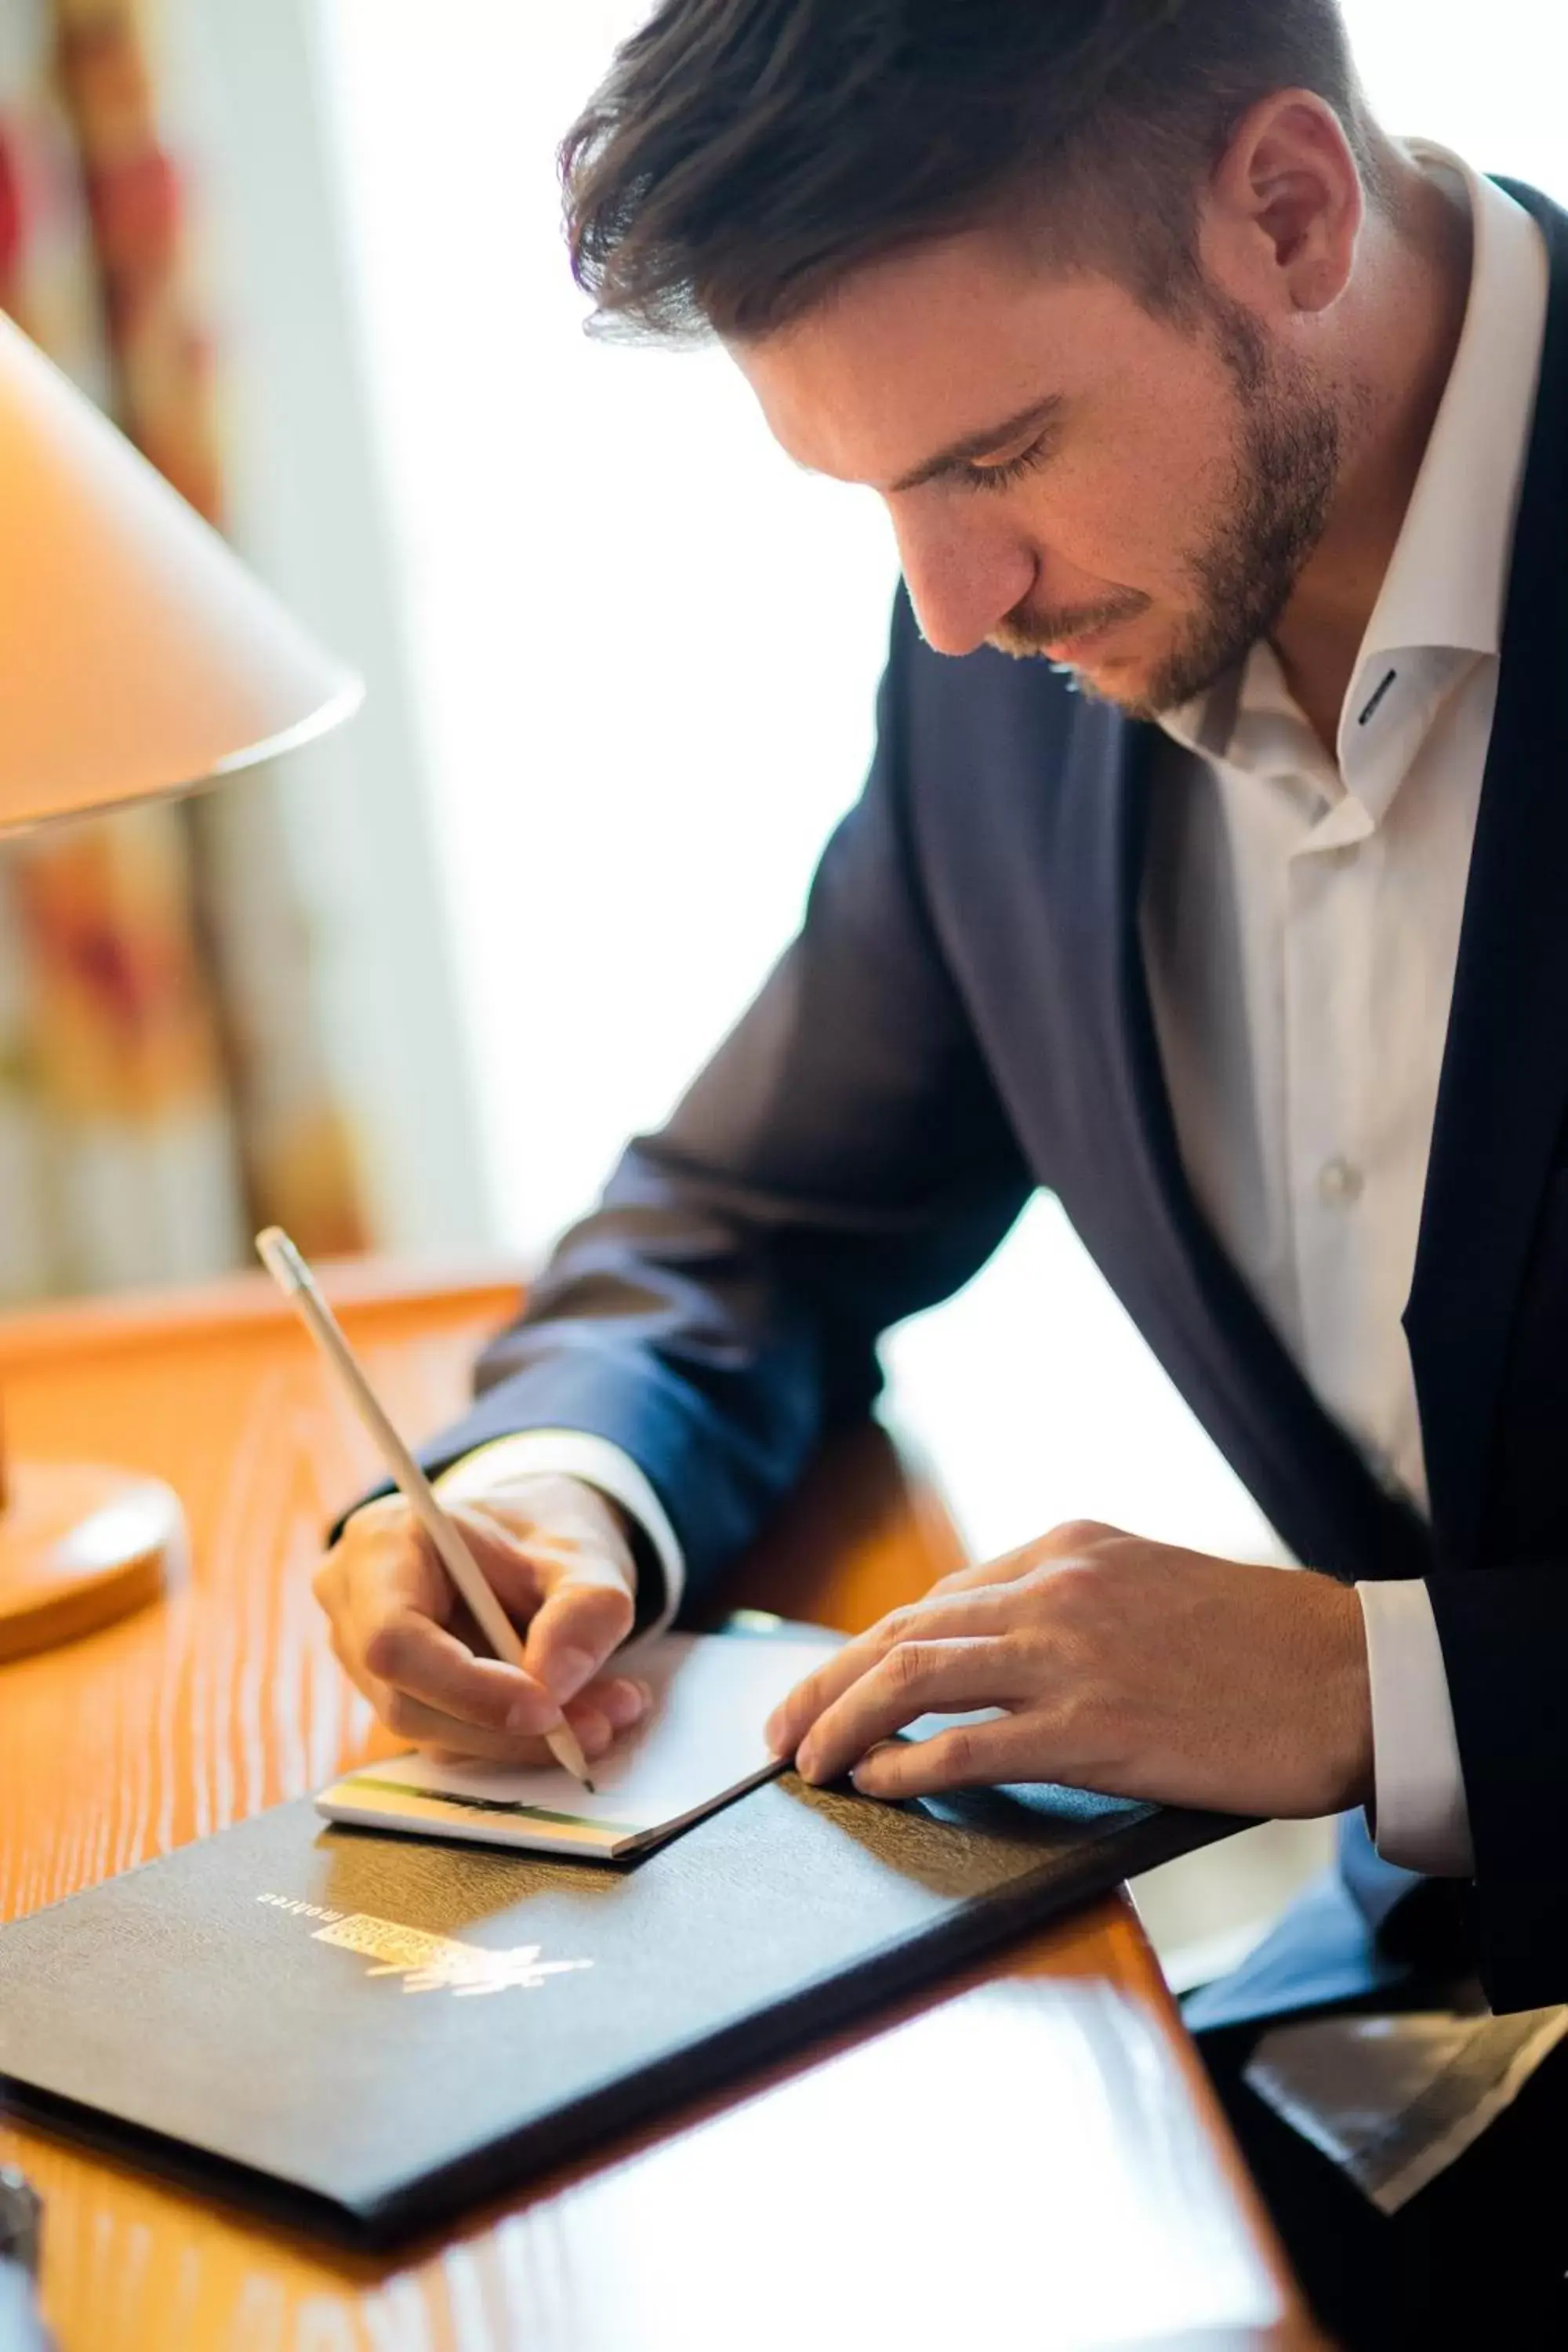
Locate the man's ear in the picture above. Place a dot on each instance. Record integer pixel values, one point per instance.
(1284, 206)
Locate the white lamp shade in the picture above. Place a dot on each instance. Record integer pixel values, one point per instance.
(137, 654)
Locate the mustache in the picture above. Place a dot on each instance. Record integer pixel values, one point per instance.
(1024, 633)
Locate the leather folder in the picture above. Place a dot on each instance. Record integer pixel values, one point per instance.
(361, 2034)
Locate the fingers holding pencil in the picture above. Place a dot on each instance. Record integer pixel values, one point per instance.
(402, 1635)
(440, 1532)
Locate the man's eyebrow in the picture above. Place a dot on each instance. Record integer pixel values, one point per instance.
(980, 445)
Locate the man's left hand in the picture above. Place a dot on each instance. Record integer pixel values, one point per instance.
(1123, 1665)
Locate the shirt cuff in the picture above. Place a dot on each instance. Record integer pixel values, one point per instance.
(1423, 1820)
(575, 1454)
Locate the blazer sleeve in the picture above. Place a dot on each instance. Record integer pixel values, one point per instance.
(1504, 1633)
(842, 1161)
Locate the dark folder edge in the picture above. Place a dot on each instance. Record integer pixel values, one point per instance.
(818, 2007)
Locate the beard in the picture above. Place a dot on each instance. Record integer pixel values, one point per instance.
(1287, 469)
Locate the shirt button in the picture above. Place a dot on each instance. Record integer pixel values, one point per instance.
(1339, 1182)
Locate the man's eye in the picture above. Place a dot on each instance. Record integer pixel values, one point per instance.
(1001, 478)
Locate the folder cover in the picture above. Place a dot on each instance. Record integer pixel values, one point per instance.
(360, 2034)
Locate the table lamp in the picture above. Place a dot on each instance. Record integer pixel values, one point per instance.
(138, 658)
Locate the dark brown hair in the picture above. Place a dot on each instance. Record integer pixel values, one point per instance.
(741, 157)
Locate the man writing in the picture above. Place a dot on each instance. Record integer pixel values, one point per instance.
(1174, 369)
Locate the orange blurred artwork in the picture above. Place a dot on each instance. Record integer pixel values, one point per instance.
(121, 1015)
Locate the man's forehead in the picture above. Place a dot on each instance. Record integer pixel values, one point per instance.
(923, 355)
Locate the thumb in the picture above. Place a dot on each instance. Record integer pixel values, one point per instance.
(585, 1616)
(582, 1581)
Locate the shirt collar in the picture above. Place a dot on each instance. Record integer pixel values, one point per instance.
(1446, 583)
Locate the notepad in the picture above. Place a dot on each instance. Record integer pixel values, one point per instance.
(700, 1746)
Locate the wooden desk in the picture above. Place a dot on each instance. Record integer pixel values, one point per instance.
(1029, 2157)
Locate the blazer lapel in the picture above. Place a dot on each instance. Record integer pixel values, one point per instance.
(1504, 1082)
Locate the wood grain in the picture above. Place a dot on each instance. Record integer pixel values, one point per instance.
(1030, 2154)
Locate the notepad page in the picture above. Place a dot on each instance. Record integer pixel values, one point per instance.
(701, 1743)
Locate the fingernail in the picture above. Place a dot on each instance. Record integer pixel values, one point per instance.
(805, 1764)
(774, 1734)
(626, 1701)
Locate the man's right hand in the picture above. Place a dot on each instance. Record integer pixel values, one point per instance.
(557, 1554)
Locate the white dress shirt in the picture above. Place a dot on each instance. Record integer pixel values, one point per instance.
(1302, 928)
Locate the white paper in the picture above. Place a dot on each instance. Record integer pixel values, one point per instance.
(700, 1742)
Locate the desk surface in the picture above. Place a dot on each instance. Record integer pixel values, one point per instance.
(1029, 2156)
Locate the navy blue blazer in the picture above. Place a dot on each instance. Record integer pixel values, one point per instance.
(963, 1017)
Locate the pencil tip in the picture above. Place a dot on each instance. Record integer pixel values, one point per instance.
(588, 1784)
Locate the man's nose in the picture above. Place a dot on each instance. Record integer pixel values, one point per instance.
(963, 578)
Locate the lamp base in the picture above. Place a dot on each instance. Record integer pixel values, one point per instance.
(80, 1544)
